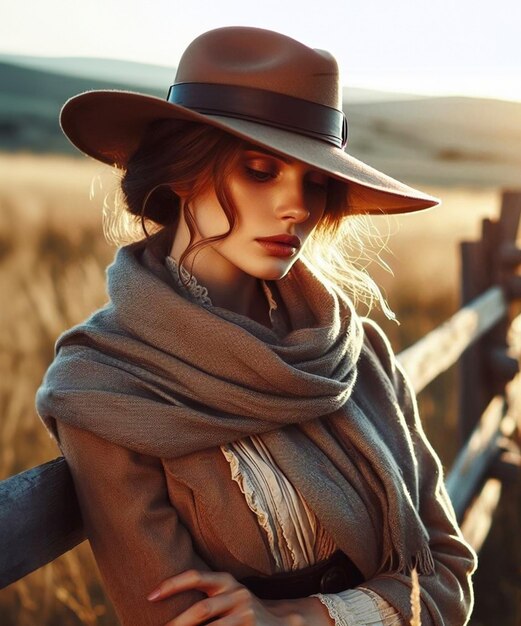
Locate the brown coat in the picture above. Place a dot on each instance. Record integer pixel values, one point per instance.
(153, 507)
(148, 518)
(137, 536)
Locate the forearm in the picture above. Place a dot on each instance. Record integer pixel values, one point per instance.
(301, 611)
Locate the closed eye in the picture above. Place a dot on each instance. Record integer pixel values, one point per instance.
(260, 175)
(320, 185)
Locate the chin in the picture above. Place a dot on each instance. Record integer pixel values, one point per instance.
(276, 273)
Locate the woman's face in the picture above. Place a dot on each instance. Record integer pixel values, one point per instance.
(273, 196)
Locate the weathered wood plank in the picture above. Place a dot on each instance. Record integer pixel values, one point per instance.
(475, 279)
(510, 215)
(480, 515)
(507, 468)
(39, 519)
(477, 456)
(443, 346)
(510, 254)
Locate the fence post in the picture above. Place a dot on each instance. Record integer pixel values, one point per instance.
(484, 367)
(472, 387)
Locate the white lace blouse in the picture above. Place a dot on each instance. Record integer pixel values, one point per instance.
(295, 537)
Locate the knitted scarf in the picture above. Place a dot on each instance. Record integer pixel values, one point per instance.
(163, 376)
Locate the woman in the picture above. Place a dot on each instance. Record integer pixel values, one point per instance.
(239, 438)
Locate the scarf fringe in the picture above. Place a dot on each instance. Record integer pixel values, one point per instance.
(422, 562)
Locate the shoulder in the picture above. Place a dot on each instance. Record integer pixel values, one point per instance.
(377, 342)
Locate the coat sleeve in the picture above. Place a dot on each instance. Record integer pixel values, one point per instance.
(447, 595)
(133, 529)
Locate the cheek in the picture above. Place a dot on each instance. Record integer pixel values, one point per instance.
(210, 217)
(322, 199)
(250, 203)
(317, 207)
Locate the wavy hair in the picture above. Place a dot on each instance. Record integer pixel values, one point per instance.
(180, 158)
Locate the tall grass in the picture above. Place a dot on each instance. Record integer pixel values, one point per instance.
(415, 599)
(52, 263)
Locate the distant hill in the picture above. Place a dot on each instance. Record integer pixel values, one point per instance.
(107, 70)
(30, 102)
(146, 75)
(447, 140)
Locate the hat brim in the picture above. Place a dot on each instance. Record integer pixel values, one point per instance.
(108, 125)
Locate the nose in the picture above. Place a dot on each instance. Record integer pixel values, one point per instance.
(292, 203)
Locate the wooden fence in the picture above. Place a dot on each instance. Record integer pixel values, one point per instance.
(39, 513)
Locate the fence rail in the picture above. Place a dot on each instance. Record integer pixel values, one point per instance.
(40, 517)
(442, 347)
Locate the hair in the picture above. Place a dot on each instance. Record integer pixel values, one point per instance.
(181, 159)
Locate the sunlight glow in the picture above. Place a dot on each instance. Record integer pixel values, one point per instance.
(428, 48)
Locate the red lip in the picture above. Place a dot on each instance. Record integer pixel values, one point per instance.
(290, 240)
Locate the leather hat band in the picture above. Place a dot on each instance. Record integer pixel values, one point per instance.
(267, 107)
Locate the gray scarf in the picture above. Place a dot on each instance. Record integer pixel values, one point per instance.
(160, 375)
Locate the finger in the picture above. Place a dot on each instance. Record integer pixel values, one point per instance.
(210, 582)
(234, 620)
(213, 607)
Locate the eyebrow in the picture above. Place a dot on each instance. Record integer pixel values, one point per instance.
(255, 148)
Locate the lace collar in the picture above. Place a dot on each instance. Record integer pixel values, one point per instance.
(194, 289)
(199, 293)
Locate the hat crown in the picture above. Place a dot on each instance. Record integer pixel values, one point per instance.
(255, 84)
(262, 59)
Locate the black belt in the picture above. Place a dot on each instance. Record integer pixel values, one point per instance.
(332, 575)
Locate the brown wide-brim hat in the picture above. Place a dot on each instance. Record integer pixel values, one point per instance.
(259, 85)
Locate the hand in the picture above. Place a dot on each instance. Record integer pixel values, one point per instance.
(228, 603)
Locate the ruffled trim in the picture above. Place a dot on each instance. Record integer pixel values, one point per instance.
(336, 609)
(248, 489)
(200, 293)
(197, 291)
(359, 607)
(295, 537)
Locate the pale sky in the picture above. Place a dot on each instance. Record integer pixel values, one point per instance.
(469, 47)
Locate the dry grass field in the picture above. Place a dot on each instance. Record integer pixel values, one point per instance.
(52, 262)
